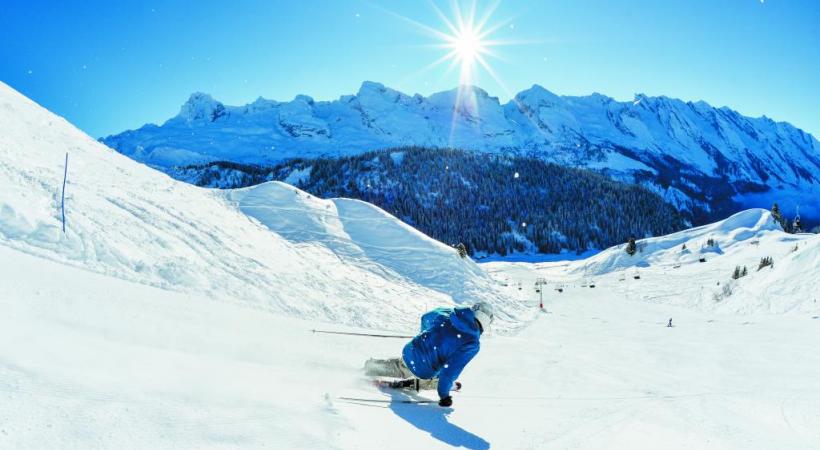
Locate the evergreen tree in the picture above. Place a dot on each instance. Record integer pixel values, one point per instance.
(631, 248)
(778, 217)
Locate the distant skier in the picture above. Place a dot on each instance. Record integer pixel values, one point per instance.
(669, 325)
(448, 340)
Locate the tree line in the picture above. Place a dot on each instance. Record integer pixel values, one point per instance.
(493, 204)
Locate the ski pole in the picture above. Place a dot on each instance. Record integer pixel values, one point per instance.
(347, 333)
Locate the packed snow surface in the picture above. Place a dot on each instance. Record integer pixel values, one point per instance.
(90, 361)
(170, 316)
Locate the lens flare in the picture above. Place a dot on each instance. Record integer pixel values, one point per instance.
(467, 40)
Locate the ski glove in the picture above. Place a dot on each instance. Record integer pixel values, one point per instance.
(446, 402)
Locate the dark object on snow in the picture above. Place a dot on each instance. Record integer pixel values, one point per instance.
(631, 248)
(778, 217)
(398, 375)
(413, 383)
(462, 250)
(739, 272)
(765, 261)
(446, 402)
(669, 325)
(637, 277)
(702, 260)
(796, 225)
(409, 383)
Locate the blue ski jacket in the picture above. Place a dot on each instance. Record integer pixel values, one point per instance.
(449, 339)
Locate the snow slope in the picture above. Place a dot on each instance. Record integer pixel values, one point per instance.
(272, 246)
(99, 348)
(688, 151)
(89, 361)
(671, 271)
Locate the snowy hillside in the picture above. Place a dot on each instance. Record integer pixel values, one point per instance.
(89, 361)
(687, 151)
(100, 350)
(272, 246)
(694, 268)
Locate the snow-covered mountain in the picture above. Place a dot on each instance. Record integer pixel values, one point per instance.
(99, 351)
(272, 246)
(690, 152)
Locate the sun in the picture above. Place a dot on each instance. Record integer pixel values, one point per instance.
(467, 46)
(467, 40)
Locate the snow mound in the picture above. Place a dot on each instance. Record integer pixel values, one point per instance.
(687, 246)
(360, 235)
(271, 246)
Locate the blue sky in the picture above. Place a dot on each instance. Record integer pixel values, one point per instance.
(109, 66)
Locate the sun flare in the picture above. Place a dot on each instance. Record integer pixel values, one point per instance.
(465, 36)
(467, 46)
(466, 40)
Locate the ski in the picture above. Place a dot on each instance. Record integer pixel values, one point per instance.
(374, 400)
(409, 383)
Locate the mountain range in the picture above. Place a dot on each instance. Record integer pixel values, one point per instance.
(699, 158)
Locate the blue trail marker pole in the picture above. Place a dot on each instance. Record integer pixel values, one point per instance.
(65, 175)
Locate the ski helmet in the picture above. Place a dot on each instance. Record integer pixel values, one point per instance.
(483, 312)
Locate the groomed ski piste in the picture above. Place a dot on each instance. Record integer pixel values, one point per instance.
(170, 316)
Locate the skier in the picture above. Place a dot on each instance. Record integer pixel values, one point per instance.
(669, 325)
(448, 340)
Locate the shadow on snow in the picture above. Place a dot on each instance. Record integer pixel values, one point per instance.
(433, 419)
